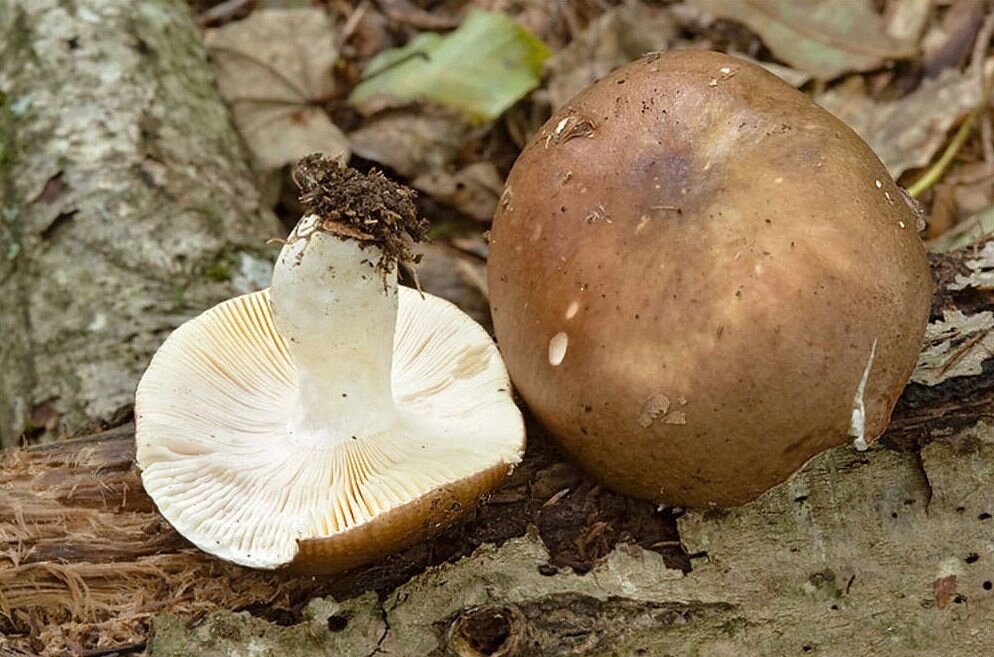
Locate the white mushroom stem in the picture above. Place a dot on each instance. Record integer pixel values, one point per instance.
(337, 314)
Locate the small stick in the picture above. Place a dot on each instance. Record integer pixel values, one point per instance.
(935, 173)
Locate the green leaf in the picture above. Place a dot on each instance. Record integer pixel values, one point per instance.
(480, 69)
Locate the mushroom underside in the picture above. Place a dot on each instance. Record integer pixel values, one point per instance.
(221, 456)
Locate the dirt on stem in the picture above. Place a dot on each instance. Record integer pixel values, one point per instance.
(367, 207)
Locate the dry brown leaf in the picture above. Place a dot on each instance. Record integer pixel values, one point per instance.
(473, 190)
(905, 133)
(942, 214)
(824, 37)
(621, 35)
(555, 22)
(404, 11)
(973, 197)
(948, 43)
(957, 345)
(905, 20)
(456, 278)
(979, 272)
(791, 76)
(411, 141)
(423, 144)
(968, 234)
(274, 68)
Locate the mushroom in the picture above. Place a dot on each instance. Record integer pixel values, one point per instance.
(699, 280)
(336, 417)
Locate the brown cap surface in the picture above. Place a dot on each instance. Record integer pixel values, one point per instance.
(692, 268)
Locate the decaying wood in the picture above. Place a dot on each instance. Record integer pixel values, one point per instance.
(127, 204)
(84, 554)
(876, 554)
(86, 563)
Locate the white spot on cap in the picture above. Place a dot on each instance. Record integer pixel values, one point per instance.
(572, 309)
(878, 184)
(901, 224)
(557, 348)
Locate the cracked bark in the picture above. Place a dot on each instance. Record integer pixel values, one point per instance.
(127, 204)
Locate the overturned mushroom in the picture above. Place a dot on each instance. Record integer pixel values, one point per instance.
(700, 279)
(335, 417)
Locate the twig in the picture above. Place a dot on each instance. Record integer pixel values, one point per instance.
(354, 19)
(962, 351)
(111, 651)
(403, 11)
(935, 173)
(224, 11)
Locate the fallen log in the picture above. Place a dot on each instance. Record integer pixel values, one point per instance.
(128, 204)
(86, 563)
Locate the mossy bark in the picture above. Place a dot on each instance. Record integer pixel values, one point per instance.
(127, 205)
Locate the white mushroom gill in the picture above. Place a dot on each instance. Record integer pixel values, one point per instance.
(308, 410)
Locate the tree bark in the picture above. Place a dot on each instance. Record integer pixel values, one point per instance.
(127, 204)
(879, 553)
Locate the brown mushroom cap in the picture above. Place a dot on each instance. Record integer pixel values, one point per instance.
(699, 278)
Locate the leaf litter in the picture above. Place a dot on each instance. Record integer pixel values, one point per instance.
(817, 36)
(905, 133)
(274, 69)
